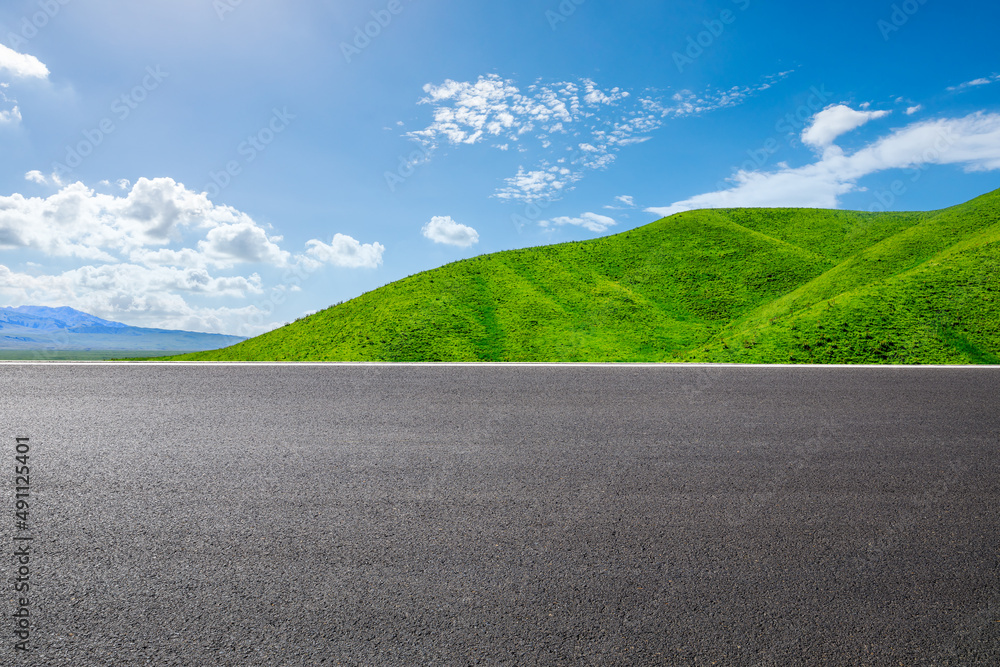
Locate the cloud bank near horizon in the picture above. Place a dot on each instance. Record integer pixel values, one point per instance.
(971, 142)
(147, 254)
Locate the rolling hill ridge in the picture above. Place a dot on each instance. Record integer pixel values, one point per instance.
(715, 285)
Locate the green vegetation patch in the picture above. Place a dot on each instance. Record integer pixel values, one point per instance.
(726, 285)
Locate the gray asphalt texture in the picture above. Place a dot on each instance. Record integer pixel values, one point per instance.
(458, 515)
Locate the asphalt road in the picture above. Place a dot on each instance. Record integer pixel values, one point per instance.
(453, 515)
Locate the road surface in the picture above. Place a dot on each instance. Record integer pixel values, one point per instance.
(521, 515)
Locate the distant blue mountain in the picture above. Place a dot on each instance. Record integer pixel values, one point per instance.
(43, 328)
(44, 318)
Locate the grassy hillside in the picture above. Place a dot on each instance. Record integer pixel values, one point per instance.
(737, 285)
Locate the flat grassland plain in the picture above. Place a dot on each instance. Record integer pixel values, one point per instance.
(453, 515)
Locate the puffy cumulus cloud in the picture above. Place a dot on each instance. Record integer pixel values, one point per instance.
(834, 121)
(243, 242)
(914, 109)
(576, 124)
(98, 286)
(184, 257)
(442, 229)
(18, 66)
(346, 252)
(79, 222)
(10, 116)
(145, 256)
(21, 65)
(152, 297)
(972, 142)
(592, 221)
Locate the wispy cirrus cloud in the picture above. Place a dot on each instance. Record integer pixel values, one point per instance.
(622, 202)
(570, 127)
(982, 81)
(590, 221)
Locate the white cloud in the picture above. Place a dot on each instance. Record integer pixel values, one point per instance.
(442, 229)
(346, 252)
(914, 109)
(592, 221)
(141, 256)
(243, 241)
(623, 202)
(834, 121)
(573, 121)
(10, 116)
(21, 65)
(79, 222)
(981, 81)
(35, 176)
(545, 183)
(142, 296)
(972, 142)
(131, 279)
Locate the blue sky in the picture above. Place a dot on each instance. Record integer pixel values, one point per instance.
(230, 165)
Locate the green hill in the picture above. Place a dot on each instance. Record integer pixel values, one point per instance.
(723, 285)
